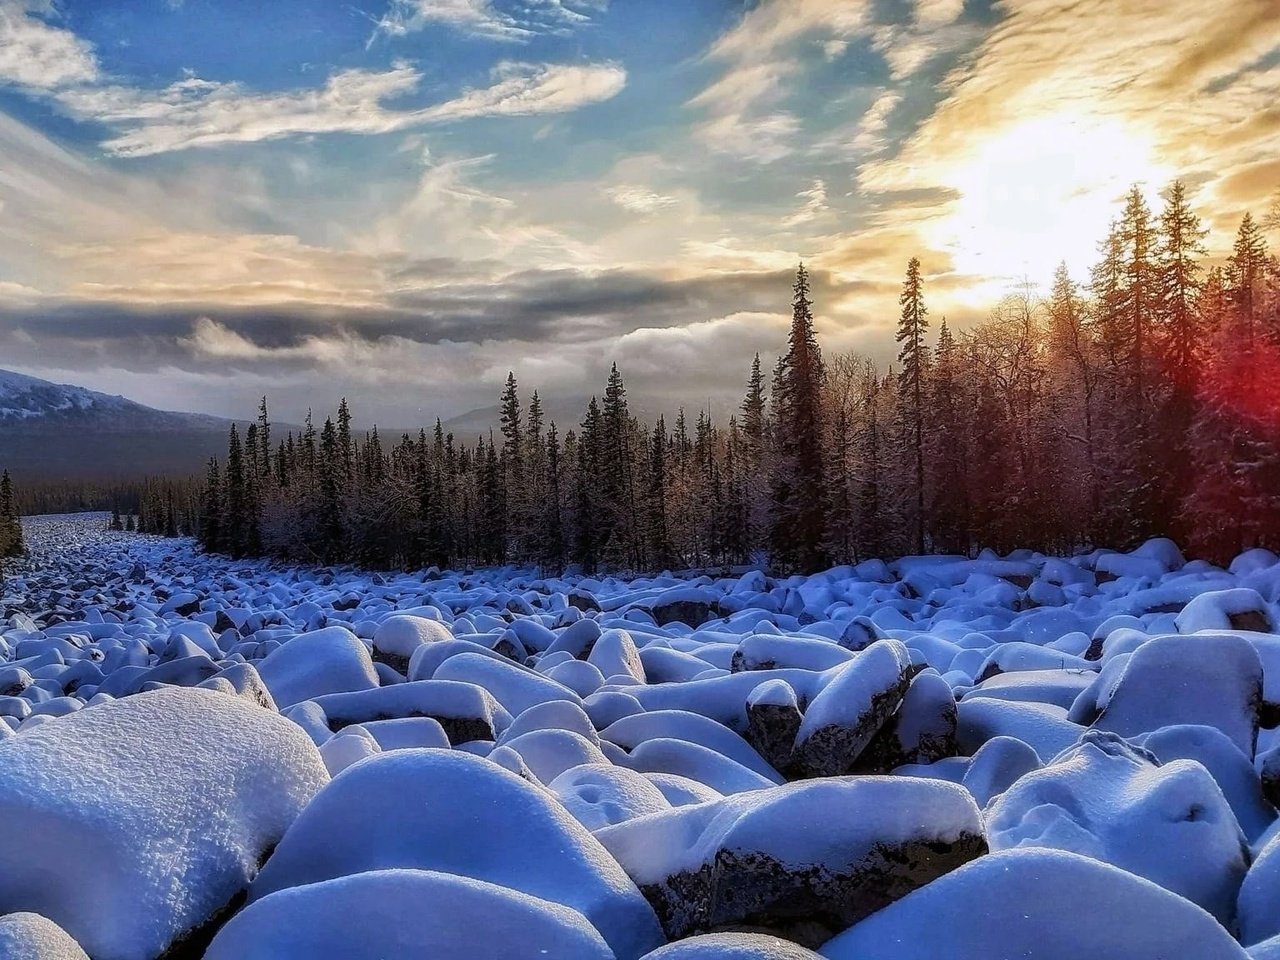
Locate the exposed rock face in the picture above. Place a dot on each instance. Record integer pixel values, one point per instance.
(757, 862)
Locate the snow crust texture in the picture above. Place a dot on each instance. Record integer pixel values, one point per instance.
(1003, 756)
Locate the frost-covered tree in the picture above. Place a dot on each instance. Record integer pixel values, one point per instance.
(913, 354)
(798, 487)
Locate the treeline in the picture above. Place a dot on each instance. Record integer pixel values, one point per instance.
(152, 499)
(11, 544)
(1143, 402)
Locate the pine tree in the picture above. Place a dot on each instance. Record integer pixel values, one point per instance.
(658, 536)
(914, 357)
(552, 516)
(264, 442)
(345, 449)
(798, 486)
(1246, 270)
(755, 435)
(210, 534)
(621, 518)
(11, 543)
(513, 467)
(588, 538)
(948, 447)
(1182, 349)
(233, 525)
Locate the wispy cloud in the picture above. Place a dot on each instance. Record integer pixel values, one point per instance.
(514, 22)
(201, 113)
(37, 53)
(640, 200)
(814, 206)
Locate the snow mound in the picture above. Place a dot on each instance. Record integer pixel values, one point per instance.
(451, 812)
(732, 946)
(804, 860)
(385, 914)
(1037, 905)
(329, 660)
(29, 936)
(1108, 800)
(151, 813)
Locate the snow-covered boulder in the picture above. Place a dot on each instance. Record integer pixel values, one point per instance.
(803, 860)
(451, 812)
(131, 823)
(465, 711)
(691, 605)
(385, 914)
(923, 730)
(1169, 680)
(29, 936)
(1041, 904)
(398, 636)
(844, 718)
(328, 660)
(601, 795)
(1111, 801)
(1259, 903)
(732, 946)
(773, 720)
(1239, 608)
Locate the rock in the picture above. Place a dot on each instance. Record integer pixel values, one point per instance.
(690, 605)
(602, 795)
(1169, 680)
(732, 946)
(1239, 608)
(29, 936)
(1258, 907)
(922, 731)
(162, 804)
(1041, 904)
(465, 711)
(773, 720)
(757, 862)
(451, 812)
(324, 661)
(398, 636)
(850, 710)
(1111, 801)
(385, 914)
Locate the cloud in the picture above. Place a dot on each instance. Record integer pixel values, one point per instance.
(815, 205)
(1062, 106)
(742, 104)
(518, 22)
(200, 113)
(640, 200)
(38, 55)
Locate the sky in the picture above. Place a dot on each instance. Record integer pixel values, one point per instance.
(398, 201)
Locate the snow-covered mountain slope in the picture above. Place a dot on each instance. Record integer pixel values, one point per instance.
(61, 430)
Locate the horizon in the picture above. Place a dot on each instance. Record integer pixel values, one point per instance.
(218, 202)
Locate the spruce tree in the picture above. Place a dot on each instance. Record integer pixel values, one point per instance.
(11, 544)
(513, 467)
(798, 522)
(1246, 270)
(210, 534)
(552, 517)
(755, 437)
(914, 357)
(658, 536)
(233, 525)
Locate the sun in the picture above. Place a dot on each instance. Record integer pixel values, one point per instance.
(1041, 191)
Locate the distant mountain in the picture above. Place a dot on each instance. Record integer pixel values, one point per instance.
(60, 431)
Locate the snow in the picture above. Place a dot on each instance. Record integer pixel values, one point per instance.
(732, 946)
(494, 734)
(382, 914)
(150, 813)
(1037, 905)
(855, 813)
(450, 812)
(329, 660)
(1107, 800)
(29, 936)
